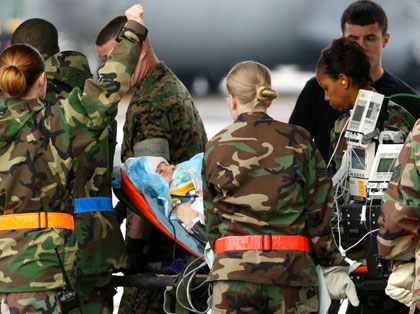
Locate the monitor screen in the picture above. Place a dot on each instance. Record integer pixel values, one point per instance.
(370, 109)
(358, 159)
(386, 165)
(358, 112)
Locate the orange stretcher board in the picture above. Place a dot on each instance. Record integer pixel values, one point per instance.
(141, 204)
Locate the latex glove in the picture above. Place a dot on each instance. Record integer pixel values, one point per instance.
(400, 283)
(339, 284)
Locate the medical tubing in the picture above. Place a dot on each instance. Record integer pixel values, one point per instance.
(179, 285)
(173, 228)
(192, 289)
(164, 304)
(370, 228)
(339, 138)
(193, 309)
(372, 231)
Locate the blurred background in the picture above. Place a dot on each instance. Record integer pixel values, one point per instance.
(201, 40)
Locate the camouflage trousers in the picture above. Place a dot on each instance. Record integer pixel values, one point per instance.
(95, 293)
(141, 300)
(29, 302)
(233, 296)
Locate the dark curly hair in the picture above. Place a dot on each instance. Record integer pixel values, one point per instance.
(345, 56)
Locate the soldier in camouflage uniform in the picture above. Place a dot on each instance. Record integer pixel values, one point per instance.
(100, 242)
(161, 121)
(398, 236)
(268, 202)
(343, 69)
(41, 150)
(65, 70)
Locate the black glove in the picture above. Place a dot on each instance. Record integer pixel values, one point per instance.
(136, 260)
(199, 232)
(121, 211)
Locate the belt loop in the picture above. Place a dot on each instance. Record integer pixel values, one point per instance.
(42, 220)
(263, 243)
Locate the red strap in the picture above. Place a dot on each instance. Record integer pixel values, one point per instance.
(361, 269)
(265, 242)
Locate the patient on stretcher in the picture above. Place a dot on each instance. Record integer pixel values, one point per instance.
(173, 193)
(185, 189)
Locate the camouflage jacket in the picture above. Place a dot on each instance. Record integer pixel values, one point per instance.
(262, 176)
(65, 70)
(163, 108)
(40, 147)
(400, 220)
(100, 242)
(398, 117)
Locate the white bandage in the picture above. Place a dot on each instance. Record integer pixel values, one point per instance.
(154, 162)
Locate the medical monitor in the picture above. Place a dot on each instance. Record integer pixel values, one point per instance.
(384, 162)
(364, 116)
(361, 160)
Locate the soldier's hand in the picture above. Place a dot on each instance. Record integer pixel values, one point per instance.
(136, 13)
(400, 283)
(339, 284)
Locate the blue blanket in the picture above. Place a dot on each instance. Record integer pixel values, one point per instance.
(156, 191)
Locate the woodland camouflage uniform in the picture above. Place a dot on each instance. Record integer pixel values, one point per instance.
(40, 146)
(262, 176)
(100, 242)
(65, 70)
(400, 220)
(162, 107)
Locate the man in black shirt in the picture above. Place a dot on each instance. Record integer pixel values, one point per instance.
(366, 22)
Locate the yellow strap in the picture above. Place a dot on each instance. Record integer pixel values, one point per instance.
(183, 190)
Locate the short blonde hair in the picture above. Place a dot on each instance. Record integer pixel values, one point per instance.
(250, 82)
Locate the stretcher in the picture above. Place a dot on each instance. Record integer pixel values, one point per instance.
(157, 216)
(147, 194)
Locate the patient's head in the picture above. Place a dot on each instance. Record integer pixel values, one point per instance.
(161, 166)
(166, 170)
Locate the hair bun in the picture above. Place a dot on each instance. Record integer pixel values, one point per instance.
(12, 80)
(11, 68)
(265, 92)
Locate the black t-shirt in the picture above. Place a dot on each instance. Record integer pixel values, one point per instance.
(316, 115)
